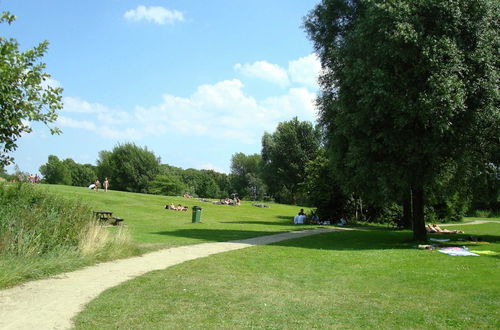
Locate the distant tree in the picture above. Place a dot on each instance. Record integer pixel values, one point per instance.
(322, 190)
(129, 167)
(222, 181)
(83, 175)
(104, 168)
(167, 184)
(409, 90)
(285, 153)
(246, 172)
(24, 95)
(56, 171)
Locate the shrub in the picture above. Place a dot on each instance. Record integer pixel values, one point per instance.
(34, 222)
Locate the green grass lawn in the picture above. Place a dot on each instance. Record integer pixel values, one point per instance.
(150, 223)
(371, 278)
(152, 227)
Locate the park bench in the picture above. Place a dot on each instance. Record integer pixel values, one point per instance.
(115, 221)
(107, 217)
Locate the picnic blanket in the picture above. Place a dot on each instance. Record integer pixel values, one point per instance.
(457, 251)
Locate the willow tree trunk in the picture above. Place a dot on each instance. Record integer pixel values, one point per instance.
(419, 232)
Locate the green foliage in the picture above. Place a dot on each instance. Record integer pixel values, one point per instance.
(285, 153)
(409, 91)
(201, 183)
(322, 191)
(24, 95)
(34, 222)
(67, 172)
(486, 189)
(56, 171)
(246, 173)
(128, 167)
(166, 184)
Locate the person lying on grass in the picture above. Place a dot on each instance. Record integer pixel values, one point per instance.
(435, 229)
(176, 208)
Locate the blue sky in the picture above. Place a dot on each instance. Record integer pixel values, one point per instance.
(193, 81)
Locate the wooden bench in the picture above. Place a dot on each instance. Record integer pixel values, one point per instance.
(103, 216)
(115, 221)
(107, 217)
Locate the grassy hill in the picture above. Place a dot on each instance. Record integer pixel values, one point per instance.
(149, 222)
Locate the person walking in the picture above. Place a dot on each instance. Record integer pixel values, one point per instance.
(106, 185)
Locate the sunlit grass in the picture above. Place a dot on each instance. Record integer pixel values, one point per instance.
(372, 278)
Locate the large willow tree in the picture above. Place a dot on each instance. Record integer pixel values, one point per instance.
(409, 92)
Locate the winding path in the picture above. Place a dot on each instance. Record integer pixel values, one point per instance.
(52, 303)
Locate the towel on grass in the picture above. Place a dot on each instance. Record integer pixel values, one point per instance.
(457, 251)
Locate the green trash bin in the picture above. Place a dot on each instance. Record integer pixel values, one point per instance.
(196, 214)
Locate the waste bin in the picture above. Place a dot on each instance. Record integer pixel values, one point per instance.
(196, 214)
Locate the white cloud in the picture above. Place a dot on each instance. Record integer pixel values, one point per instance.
(156, 14)
(221, 111)
(298, 102)
(73, 123)
(264, 70)
(104, 114)
(210, 166)
(305, 70)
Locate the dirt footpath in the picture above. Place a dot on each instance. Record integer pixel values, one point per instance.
(51, 303)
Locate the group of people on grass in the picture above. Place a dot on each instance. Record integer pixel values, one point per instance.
(228, 201)
(179, 207)
(97, 184)
(33, 179)
(301, 218)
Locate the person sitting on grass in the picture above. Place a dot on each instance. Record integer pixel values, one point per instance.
(299, 218)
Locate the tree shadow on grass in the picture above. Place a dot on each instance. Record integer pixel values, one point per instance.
(256, 222)
(214, 235)
(358, 239)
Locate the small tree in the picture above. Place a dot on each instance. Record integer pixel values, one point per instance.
(24, 95)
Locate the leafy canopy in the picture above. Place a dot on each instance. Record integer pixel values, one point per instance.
(409, 91)
(25, 95)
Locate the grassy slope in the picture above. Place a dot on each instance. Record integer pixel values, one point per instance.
(151, 227)
(360, 279)
(149, 222)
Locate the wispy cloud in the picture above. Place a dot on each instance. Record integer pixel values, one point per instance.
(224, 111)
(302, 71)
(156, 14)
(305, 70)
(264, 70)
(219, 111)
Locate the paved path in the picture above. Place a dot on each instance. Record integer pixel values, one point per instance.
(52, 302)
(476, 222)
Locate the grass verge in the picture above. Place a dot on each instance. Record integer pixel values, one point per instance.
(42, 234)
(370, 278)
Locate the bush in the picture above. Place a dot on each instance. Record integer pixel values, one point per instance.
(34, 222)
